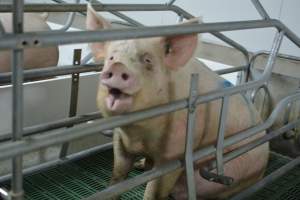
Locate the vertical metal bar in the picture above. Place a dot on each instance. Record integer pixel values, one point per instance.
(273, 54)
(74, 98)
(2, 30)
(220, 141)
(17, 115)
(260, 9)
(189, 137)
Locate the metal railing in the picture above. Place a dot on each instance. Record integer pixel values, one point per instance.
(20, 146)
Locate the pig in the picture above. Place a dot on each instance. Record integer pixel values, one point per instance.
(142, 73)
(33, 57)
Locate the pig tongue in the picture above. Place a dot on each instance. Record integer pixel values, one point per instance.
(118, 104)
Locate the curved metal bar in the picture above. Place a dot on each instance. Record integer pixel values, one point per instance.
(5, 78)
(70, 20)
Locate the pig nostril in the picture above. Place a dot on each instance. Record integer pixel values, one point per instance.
(110, 74)
(125, 76)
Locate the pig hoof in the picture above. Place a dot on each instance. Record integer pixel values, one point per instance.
(140, 164)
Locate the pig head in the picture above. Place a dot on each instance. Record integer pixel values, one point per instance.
(143, 73)
(33, 57)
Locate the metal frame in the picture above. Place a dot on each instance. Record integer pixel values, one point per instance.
(19, 146)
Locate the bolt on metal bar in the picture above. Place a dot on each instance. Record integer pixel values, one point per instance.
(32, 74)
(260, 9)
(268, 179)
(189, 143)
(17, 192)
(49, 38)
(221, 134)
(112, 122)
(73, 98)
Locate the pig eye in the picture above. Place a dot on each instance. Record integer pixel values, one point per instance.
(111, 58)
(147, 60)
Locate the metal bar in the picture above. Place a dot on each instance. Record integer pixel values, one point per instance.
(268, 179)
(230, 70)
(171, 2)
(290, 34)
(27, 40)
(73, 98)
(260, 9)
(68, 158)
(4, 194)
(70, 19)
(189, 144)
(71, 7)
(270, 64)
(2, 30)
(221, 134)
(32, 130)
(17, 192)
(234, 44)
(33, 74)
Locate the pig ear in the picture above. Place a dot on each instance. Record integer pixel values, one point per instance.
(96, 22)
(179, 49)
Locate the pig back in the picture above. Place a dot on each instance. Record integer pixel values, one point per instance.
(33, 57)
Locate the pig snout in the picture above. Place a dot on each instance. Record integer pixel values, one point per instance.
(121, 84)
(119, 77)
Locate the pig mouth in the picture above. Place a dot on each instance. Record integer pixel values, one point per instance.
(117, 101)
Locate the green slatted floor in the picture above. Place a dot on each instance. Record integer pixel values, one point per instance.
(82, 178)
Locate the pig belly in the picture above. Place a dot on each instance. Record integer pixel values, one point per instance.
(245, 170)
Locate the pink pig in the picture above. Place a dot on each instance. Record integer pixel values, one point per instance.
(33, 57)
(142, 73)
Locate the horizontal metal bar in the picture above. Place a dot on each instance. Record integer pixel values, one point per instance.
(60, 136)
(230, 70)
(33, 74)
(69, 158)
(280, 55)
(32, 130)
(71, 7)
(27, 40)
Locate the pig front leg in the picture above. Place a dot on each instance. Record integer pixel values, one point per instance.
(160, 188)
(123, 162)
